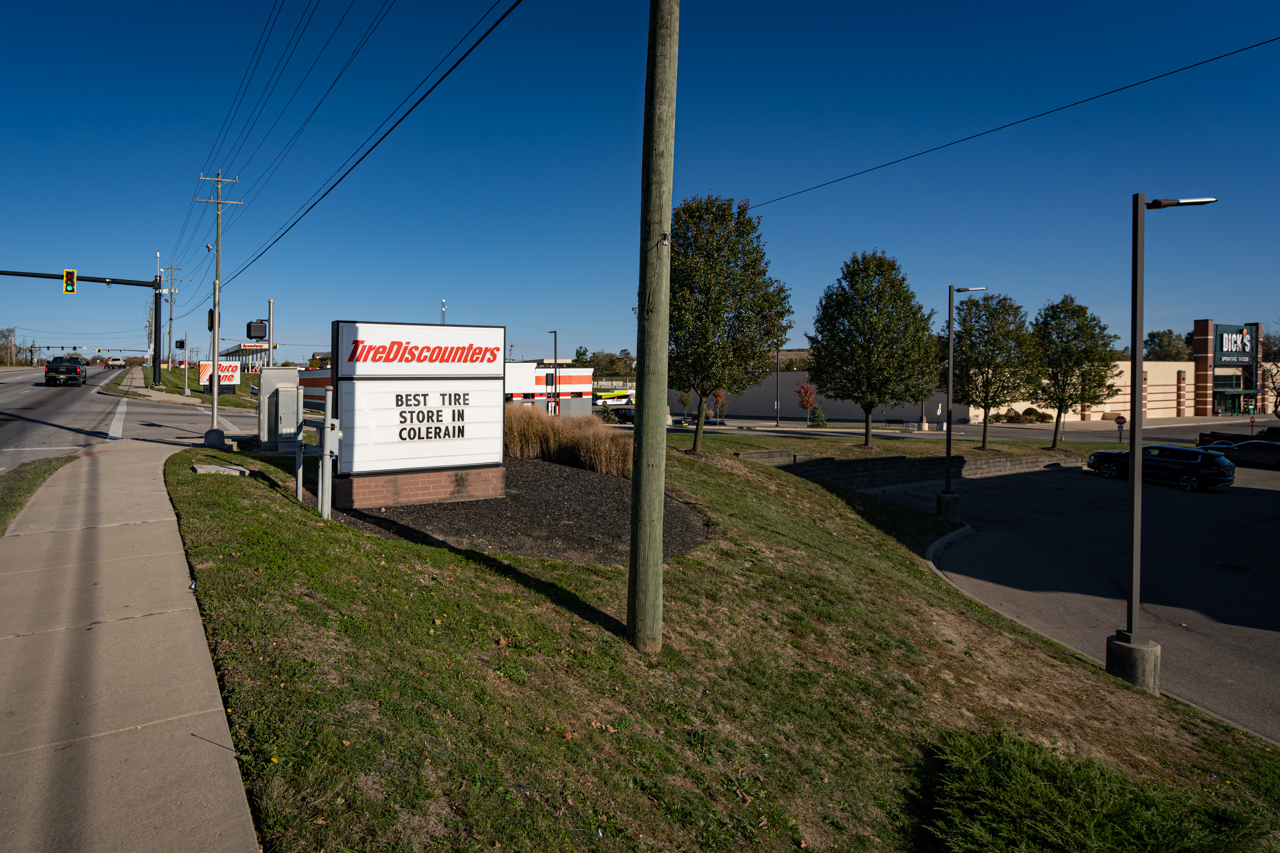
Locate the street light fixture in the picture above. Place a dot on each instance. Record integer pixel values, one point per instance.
(948, 501)
(1132, 655)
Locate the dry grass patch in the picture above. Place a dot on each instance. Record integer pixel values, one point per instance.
(583, 442)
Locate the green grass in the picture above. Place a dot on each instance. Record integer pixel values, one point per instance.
(171, 382)
(19, 484)
(388, 696)
(995, 792)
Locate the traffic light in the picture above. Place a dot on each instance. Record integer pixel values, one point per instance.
(68, 281)
(211, 319)
(255, 330)
(180, 344)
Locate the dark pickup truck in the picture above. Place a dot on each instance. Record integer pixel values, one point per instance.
(66, 370)
(1266, 434)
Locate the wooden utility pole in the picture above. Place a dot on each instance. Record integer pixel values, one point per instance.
(171, 291)
(648, 471)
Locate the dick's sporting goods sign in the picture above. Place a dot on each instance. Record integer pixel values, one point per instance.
(1233, 346)
(414, 397)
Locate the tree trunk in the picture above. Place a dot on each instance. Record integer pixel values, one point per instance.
(1057, 428)
(866, 415)
(702, 419)
(986, 421)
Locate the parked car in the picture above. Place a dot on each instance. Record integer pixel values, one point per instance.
(115, 361)
(1190, 468)
(1264, 453)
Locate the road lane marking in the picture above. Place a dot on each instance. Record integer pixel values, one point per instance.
(21, 449)
(117, 425)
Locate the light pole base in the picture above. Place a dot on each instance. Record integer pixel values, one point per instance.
(949, 507)
(215, 438)
(1135, 660)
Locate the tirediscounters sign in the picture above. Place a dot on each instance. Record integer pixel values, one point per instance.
(413, 397)
(228, 372)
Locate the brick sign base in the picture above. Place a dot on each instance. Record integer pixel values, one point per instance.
(363, 491)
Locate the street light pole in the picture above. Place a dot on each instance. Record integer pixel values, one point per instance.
(948, 501)
(555, 368)
(1132, 655)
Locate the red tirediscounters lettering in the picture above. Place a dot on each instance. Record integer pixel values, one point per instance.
(405, 352)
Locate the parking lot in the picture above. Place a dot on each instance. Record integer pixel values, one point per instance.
(1051, 550)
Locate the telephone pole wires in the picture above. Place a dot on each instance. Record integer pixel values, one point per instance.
(648, 477)
(214, 437)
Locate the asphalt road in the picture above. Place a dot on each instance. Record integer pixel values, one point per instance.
(1051, 551)
(39, 423)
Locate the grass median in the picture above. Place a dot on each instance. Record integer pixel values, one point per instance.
(172, 382)
(19, 484)
(818, 688)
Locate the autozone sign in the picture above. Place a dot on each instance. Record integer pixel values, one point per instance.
(228, 372)
(414, 397)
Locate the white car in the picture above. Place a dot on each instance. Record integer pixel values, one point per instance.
(115, 361)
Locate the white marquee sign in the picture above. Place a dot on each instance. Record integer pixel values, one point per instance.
(414, 397)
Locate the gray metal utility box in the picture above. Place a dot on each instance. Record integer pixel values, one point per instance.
(278, 412)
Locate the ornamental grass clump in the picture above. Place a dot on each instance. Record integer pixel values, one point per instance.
(582, 442)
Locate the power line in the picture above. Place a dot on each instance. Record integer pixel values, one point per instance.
(434, 86)
(1013, 123)
(278, 160)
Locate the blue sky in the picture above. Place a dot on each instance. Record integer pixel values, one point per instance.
(513, 191)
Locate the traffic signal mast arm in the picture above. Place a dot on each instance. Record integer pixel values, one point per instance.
(128, 281)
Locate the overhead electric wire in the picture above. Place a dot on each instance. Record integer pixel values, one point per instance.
(277, 73)
(208, 160)
(278, 160)
(245, 90)
(371, 148)
(305, 76)
(1012, 124)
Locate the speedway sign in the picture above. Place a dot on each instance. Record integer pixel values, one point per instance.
(417, 396)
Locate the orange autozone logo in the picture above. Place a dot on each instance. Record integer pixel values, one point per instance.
(405, 352)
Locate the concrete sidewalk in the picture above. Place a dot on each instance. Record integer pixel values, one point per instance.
(135, 382)
(113, 735)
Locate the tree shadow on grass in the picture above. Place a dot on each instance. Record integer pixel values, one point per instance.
(553, 592)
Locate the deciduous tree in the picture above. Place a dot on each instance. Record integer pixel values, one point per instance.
(1165, 345)
(728, 315)
(805, 392)
(992, 354)
(1269, 368)
(1072, 354)
(871, 340)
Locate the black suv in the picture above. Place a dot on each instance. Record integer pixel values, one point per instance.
(1191, 468)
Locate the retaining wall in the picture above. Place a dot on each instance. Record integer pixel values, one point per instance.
(860, 474)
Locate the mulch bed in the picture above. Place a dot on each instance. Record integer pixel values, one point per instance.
(550, 510)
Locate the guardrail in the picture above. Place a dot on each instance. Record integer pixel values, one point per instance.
(330, 436)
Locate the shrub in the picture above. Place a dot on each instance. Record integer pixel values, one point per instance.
(1044, 418)
(1031, 412)
(996, 418)
(995, 792)
(1011, 413)
(817, 418)
(583, 442)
